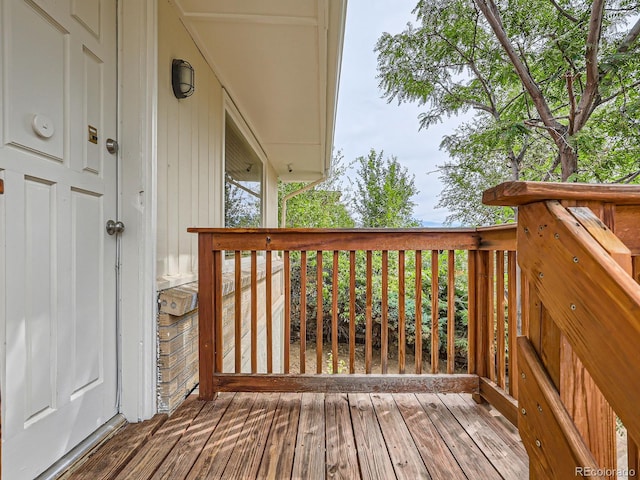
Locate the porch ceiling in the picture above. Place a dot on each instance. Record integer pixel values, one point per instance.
(280, 62)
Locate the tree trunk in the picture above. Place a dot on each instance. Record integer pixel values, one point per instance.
(515, 167)
(568, 158)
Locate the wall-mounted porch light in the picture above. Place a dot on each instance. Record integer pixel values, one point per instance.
(182, 78)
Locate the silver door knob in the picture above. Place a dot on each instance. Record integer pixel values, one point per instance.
(112, 146)
(114, 228)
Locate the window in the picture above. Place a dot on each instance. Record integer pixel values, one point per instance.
(242, 180)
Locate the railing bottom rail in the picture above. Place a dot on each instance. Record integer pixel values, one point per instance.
(347, 383)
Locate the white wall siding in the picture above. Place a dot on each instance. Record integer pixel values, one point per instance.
(190, 164)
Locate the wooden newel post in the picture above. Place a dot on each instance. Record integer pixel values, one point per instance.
(547, 216)
(481, 321)
(206, 340)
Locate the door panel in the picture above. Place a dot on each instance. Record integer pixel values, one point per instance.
(31, 94)
(87, 316)
(40, 317)
(57, 264)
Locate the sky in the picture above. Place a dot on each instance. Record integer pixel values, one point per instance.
(365, 120)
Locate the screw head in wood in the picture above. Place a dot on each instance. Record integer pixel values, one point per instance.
(575, 259)
(523, 375)
(541, 275)
(526, 230)
(538, 444)
(573, 306)
(539, 408)
(524, 412)
(556, 236)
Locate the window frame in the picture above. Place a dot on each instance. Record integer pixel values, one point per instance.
(231, 110)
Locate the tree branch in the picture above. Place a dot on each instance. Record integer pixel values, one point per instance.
(619, 92)
(472, 103)
(572, 102)
(631, 37)
(628, 178)
(563, 12)
(584, 108)
(510, 102)
(555, 164)
(490, 12)
(474, 68)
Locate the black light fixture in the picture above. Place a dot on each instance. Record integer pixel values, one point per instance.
(182, 78)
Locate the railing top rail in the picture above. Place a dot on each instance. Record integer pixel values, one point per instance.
(521, 193)
(502, 237)
(337, 231)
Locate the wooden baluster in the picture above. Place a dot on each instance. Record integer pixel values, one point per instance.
(269, 312)
(237, 310)
(287, 312)
(418, 324)
(513, 324)
(482, 268)
(435, 317)
(451, 311)
(319, 312)
(482, 300)
(368, 315)
(633, 459)
(491, 316)
(402, 335)
(500, 342)
(352, 312)
(206, 313)
(334, 314)
(254, 312)
(303, 312)
(472, 312)
(218, 263)
(524, 301)
(384, 348)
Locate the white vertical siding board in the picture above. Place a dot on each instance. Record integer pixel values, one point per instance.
(163, 185)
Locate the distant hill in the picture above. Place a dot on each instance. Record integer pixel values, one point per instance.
(430, 224)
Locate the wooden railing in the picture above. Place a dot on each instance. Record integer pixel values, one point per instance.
(579, 250)
(578, 246)
(363, 269)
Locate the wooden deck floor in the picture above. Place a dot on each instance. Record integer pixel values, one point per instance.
(315, 436)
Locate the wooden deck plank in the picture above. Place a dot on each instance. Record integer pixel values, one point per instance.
(277, 460)
(342, 457)
(501, 424)
(309, 460)
(245, 458)
(403, 452)
(437, 457)
(372, 451)
(316, 435)
(215, 454)
(467, 453)
(506, 456)
(178, 463)
(107, 462)
(149, 457)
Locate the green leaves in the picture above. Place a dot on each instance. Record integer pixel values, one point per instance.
(383, 192)
(450, 61)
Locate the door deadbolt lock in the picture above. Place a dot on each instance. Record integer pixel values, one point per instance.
(114, 228)
(112, 146)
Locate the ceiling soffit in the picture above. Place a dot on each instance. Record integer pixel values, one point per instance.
(279, 60)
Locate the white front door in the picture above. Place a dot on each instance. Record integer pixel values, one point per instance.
(57, 263)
